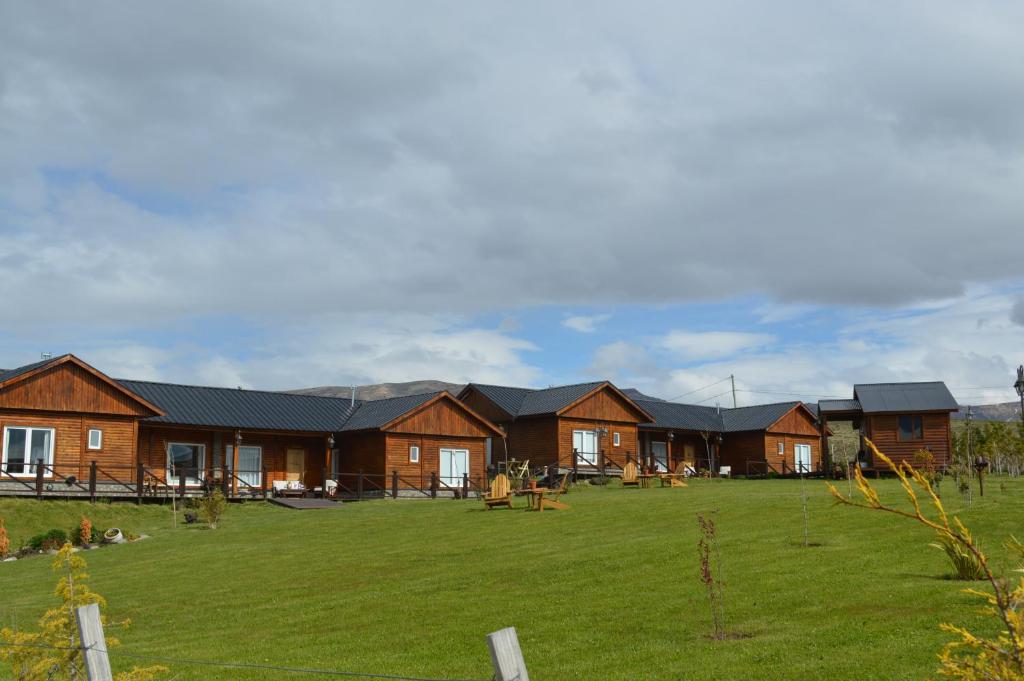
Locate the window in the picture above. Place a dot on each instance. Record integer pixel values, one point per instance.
(616, 440)
(24, 446)
(414, 454)
(95, 438)
(782, 449)
(911, 428)
(250, 464)
(187, 458)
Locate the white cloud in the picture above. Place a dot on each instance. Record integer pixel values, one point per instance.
(584, 323)
(689, 345)
(934, 342)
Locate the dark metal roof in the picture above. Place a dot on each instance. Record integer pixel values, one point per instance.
(507, 398)
(551, 400)
(878, 398)
(831, 406)
(234, 408)
(376, 413)
(682, 416)
(757, 417)
(14, 373)
(700, 418)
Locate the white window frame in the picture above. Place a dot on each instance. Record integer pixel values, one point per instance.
(796, 461)
(30, 466)
(451, 452)
(414, 453)
(99, 444)
(616, 440)
(173, 479)
(782, 448)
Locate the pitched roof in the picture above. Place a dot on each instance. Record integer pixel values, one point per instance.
(235, 408)
(14, 373)
(837, 405)
(903, 397)
(701, 418)
(555, 399)
(509, 399)
(757, 417)
(372, 414)
(682, 416)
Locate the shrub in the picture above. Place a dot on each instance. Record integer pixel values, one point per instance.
(966, 565)
(211, 508)
(5, 543)
(54, 539)
(85, 533)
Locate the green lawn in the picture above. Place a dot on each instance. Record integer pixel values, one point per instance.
(606, 590)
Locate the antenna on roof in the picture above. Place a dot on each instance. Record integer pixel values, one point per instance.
(718, 407)
(46, 355)
(353, 402)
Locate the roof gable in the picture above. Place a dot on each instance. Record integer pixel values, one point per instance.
(443, 414)
(606, 402)
(68, 384)
(505, 398)
(878, 398)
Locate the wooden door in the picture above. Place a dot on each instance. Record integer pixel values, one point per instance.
(295, 464)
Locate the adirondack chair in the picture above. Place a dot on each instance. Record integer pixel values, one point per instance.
(552, 501)
(629, 475)
(500, 493)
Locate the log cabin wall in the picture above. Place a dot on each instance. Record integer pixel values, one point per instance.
(737, 448)
(219, 443)
(789, 442)
(483, 406)
(418, 474)
(71, 455)
(617, 455)
(534, 440)
(883, 430)
(67, 388)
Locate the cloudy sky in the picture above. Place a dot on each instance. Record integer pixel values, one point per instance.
(803, 194)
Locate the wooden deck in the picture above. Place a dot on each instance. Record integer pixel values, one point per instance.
(303, 503)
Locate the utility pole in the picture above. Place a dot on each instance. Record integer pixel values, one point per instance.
(732, 379)
(1019, 387)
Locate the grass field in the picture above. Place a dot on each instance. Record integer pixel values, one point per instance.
(607, 590)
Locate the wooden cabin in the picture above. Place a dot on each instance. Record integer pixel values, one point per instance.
(69, 429)
(588, 426)
(418, 442)
(782, 438)
(901, 419)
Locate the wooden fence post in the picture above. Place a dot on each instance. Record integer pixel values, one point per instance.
(433, 484)
(140, 474)
(575, 467)
(94, 644)
(224, 482)
(263, 482)
(359, 485)
(465, 485)
(394, 484)
(507, 656)
(39, 478)
(182, 476)
(92, 482)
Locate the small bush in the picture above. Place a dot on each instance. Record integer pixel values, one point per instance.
(966, 565)
(54, 539)
(211, 508)
(5, 543)
(85, 533)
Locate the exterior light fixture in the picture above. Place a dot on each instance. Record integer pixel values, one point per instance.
(330, 440)
(671, 436)
(238, 437)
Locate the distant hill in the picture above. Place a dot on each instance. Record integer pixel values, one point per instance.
(380, 391)
(1005, 411)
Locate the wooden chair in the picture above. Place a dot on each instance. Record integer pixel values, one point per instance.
(500, 493)
(552, 501)
(629, 475)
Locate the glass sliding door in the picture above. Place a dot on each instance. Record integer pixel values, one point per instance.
(185, 459)
(24, 447)
(250, 464)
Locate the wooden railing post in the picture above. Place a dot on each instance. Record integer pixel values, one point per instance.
(507, 656)
(394, 484)
(600, 461)
(575, 467)
(92, 481)
(224, 482)
(39, 478)
(465, 485)
(182, 476)
(140, 475)
(359, 485)
(263, 482)
(433, 484)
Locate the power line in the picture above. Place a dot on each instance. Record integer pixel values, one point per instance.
(713, 396)
(709, 385)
